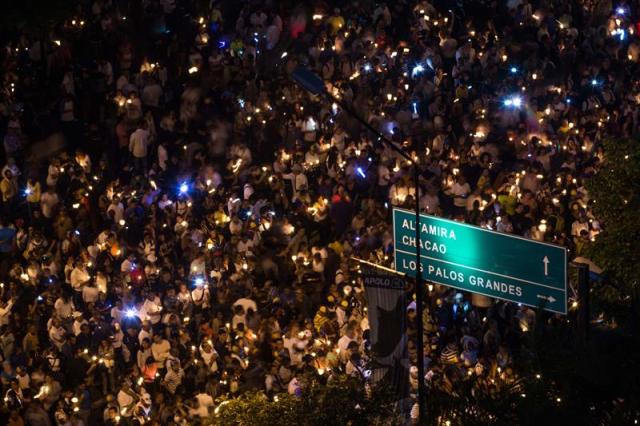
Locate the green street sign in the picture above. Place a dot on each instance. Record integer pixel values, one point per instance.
(482, 261)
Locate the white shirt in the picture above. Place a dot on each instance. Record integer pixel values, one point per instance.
(293, 386)
(343, 343)
(204, 402)
(90, 294)
(208, 358)
(459, 192)
(144, 334)
(124, 400)
(118, 210)
(161, 350)
(5, 313)
(127, 266)
(138, 142)
(429, 203)
(151, 309)
(246, 304)
(78, 277)
(77, 326)
(200, 296)
(64, 310)
(298, 181)
(56, 335)
(117, 314)
(101, 283)
(577, 227)
(48, 201)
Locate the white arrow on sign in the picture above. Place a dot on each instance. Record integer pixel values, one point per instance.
(549, 299)
(546, 265)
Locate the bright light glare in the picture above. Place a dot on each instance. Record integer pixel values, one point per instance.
(513, 101)
(417, 70)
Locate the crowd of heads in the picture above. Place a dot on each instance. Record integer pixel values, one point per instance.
(179, 218)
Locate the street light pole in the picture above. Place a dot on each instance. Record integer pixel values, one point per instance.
(422, 390)
(583, 301)
(313, 84)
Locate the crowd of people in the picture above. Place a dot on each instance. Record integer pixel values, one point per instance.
(179, 217)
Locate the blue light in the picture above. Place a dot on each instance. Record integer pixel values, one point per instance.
(415, 108)
(417, 70)
(28, 191)
(367, 67)
(621, 33)
(199, 282)
(361, 172)
(513, 101)
(222, 44)
(594, 82)
(40, 299)
(130, 313)
(620, 10)
(184, 188)
(568, 100)
(241, 102)
(430, 64)
(514, 70)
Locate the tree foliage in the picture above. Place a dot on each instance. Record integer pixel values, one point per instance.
(615, 191)
(342, 401)
(560, 381)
